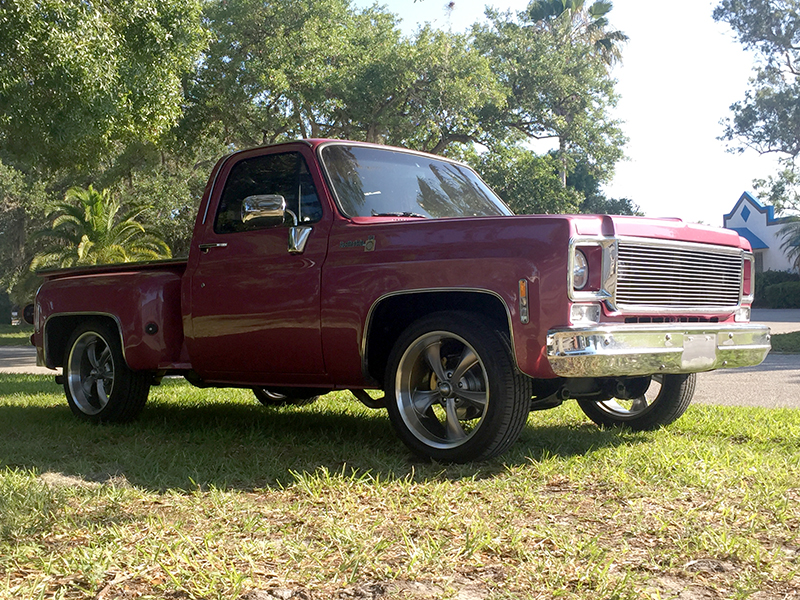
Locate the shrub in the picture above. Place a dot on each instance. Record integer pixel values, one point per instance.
(784, 295)
(767, 279)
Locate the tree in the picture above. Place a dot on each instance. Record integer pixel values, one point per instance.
(584, 181)
(528, 183)
(601, 205)
(169, 178)
(768, 119)
(78, 77)
(271, 68)
(574, 20)
(450, 94)
(322, 69)
(5, 309)
(87, 229)
(790, 232)
(22, 201)
(557, 87)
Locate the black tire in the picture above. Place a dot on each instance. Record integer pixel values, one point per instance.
(97, 381)
(285, 396)
(470, 406)
(666, 399)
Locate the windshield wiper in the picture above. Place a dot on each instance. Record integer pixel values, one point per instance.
(399, 214)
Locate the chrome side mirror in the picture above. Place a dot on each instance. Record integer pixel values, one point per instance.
(268, 209)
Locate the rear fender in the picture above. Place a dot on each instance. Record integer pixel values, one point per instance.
(144, 307)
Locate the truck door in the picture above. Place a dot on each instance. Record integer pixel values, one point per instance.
(254, 290)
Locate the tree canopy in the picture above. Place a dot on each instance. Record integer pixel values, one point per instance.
(141, 97)
(767, 120)
(78, 76)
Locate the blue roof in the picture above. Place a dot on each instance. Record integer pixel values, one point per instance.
(756, 243)
(769, 211)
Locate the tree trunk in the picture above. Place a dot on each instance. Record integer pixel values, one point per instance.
(562, 160)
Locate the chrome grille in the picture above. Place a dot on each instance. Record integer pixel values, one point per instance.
(677, 276)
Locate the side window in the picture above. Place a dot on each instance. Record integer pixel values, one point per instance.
(283, 174)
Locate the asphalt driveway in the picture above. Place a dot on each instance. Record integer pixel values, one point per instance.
(775, 383)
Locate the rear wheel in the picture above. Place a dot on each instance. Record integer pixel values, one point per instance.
(97, 381)
(285, 396)
(665, 399)
(453, 391)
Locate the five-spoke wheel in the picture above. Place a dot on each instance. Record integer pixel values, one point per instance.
(453, 392)
(97, 381)
(660, 402)
(90, 372)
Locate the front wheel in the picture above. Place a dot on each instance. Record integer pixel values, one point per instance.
(452, 390)
(665, 399)
(97, 381)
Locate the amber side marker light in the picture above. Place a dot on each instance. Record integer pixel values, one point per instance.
(523, 301)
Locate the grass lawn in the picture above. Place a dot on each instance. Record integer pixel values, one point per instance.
(210, 495)
(788, 343)
(15, 335)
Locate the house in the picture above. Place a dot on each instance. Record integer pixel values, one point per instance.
(758, 225)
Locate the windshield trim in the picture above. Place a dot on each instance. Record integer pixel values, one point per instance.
(320, 148)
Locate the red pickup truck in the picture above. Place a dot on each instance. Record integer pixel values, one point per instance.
(321, 265)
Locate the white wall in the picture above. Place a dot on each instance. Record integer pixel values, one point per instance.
(762, 222)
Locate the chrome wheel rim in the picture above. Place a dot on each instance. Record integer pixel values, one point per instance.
(90, 373)
(634, 407)
(442, 390)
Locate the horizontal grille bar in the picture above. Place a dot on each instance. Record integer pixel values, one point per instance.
(677, 276)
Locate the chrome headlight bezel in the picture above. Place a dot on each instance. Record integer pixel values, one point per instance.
(600, 253)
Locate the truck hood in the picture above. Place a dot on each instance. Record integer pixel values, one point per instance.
(596, 225)
(662, 229)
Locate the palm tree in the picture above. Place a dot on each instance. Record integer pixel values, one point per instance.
(790, 232)
(86, 230)
(578, 21)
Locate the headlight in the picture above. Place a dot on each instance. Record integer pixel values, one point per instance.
(580, 271)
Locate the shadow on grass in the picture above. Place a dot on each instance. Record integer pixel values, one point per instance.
(233, 442)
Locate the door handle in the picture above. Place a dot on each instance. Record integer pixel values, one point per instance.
(207, 247)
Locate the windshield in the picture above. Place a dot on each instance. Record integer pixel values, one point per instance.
(383, 182)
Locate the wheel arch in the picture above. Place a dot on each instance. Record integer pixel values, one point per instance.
(391, 314)
(59, 327)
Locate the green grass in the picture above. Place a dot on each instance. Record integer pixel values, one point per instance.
(788, 343)
(15, 335)
(209, 495)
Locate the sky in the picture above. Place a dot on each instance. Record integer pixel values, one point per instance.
(680, 73)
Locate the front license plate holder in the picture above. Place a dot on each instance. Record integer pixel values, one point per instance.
(699, 351)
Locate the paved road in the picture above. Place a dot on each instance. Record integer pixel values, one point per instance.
(774, 384)
(780, 320)
(21, 359)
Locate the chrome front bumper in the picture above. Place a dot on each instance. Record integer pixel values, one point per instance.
(626, 350)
